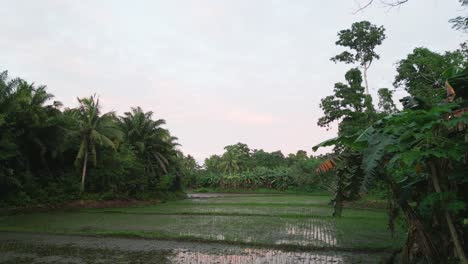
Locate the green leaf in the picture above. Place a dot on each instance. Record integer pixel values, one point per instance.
(327, 143)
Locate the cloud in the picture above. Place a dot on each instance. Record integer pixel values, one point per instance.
(219, 72)
(249, 118)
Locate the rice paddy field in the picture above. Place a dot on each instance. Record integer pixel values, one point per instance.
(205, 228)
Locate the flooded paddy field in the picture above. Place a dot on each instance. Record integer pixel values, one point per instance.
(202, 229)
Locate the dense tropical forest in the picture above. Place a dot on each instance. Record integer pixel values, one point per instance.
(412, 155)
(50, 153)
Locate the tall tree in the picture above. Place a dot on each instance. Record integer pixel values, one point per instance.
(353, 109)
(96, 130)
(361, 40)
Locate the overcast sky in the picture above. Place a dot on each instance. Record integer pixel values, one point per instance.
(219, 72)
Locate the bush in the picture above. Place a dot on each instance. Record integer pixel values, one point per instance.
(279, 178)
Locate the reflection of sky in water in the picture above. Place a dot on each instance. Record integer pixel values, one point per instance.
(219, 237)
(306, 232)
(257, 256)
(312, 232)
(208, 230)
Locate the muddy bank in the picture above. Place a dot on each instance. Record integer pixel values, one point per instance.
(44, 248)
(116, 203)
(78, 204)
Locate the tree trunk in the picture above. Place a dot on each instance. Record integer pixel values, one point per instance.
(417, 232)
(339, 199)
(365, 78)
(339, 195)
(456, 241)
(422, 237)
(448, 217)
(338, 208)
(83, 174)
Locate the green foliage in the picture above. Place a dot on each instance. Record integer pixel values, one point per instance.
(274, 159)
(374, 153)
(386, 104)
(422, 72)
(240, 168)
(189, 168)
(212, 164)
(280, 178)
(235, 158)
(348, 105)
(419, 153)
(436, 202)
(44, 150)
(414, 149)
(95, 130)
(410, 138)
(153, 145)
(362, 39)
(353, 110)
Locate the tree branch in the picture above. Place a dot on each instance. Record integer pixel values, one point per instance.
(392, 3)
(369, 3)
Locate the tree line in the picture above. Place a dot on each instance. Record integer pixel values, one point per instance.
(242, 168)
(50, 153)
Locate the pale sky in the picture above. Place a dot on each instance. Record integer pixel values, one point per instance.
(219, 71)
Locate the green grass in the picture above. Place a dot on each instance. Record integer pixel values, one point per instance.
(272, 199)
(243, 209)
(301, 221)
(261, 191)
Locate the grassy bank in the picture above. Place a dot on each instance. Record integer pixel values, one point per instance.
(260, 191)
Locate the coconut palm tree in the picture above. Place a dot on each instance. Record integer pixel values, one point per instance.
(95, 130)
(153, 144)
(24, 123)
(230, 162)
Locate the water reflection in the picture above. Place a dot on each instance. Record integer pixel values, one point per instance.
(313, 232)
(305, 232)
(219, 237)
(264, 256)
